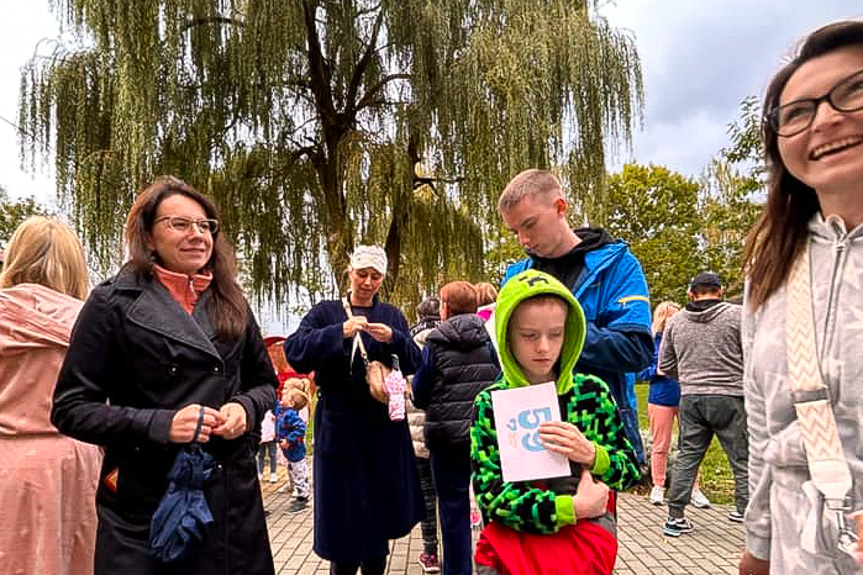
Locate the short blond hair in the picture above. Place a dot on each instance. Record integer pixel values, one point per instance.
(297, 399)
(529, 184)
(661, 315)
(45, 251)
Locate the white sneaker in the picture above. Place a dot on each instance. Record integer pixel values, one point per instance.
(657, 495)
(699, 500)
(274, 478)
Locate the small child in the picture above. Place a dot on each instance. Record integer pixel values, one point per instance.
(268, 445)
(292, 440)
(562, 525)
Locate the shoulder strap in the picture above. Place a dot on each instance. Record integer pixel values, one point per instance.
(358, 341)
(828, 467)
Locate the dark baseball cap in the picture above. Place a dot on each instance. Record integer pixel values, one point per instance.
(705, 279)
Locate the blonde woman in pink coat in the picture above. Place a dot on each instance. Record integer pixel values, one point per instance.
(47, 481)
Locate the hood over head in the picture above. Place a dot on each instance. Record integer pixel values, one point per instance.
(528, 284)
(35, 327)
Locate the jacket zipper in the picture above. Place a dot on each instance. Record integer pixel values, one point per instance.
(839, 245)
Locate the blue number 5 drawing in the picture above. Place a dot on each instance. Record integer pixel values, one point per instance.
(529, 420)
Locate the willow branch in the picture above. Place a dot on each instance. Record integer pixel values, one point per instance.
(369, 97)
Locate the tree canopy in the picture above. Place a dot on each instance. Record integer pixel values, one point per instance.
(307, 120)
(13, 212)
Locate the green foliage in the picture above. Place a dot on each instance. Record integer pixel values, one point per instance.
(657, 212)
(13, 212)
(305, 120)
(731, 202)
(728, 211)
(678, 227)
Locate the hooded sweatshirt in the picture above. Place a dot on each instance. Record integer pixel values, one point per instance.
(48, 481)
(702, 349)
(585, 401)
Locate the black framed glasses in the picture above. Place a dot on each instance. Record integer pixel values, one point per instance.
(184, 225)
(794, 117)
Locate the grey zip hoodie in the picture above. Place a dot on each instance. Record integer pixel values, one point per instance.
(787, 521)
(702, 350)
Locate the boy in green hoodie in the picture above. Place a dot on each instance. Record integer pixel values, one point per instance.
(563, 525)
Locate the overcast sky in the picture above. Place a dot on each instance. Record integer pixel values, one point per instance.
(700, 58)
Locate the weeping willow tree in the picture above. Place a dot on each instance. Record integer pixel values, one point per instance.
(307, 121)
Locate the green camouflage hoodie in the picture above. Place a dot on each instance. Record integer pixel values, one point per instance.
(585, 401)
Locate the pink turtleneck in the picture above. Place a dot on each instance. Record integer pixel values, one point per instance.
(185, 289)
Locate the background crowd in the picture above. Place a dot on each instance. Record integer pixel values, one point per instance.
(136, 418)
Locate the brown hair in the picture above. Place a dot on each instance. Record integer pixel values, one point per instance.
(780, 233)
(459, 296)
(486, 293)
(227, 308)
(47, 252)
(528, 184)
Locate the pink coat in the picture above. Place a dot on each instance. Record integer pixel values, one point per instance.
(47, 481)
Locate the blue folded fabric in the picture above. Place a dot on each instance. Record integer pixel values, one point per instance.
(181, 520)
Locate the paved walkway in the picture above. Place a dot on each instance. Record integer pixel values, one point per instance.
(713, 548)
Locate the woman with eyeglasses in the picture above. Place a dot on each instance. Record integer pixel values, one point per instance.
(166, 353)
(803, 316)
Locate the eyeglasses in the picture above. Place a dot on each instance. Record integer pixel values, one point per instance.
(794, 117)
(182, 224)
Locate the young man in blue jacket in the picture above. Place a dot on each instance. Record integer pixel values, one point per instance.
(603, 275)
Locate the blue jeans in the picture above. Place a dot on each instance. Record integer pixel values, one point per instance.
(451, 472)
(267, 448)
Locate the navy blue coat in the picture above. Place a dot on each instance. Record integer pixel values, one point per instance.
(366, 487)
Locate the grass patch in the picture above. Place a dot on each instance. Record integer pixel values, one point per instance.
(717, 481)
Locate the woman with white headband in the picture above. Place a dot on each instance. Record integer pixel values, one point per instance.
(366, 487)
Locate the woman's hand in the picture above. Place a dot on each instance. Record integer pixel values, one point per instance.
(185, 422)
(751, 565)
(565, 438)
(380, 331)
(354, 325)
(591, 498)
(234, 423)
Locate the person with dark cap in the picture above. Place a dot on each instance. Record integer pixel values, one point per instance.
(702, 349)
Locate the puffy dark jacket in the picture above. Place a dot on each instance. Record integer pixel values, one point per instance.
(463, 367)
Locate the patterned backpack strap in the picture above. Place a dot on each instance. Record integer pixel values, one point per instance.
(828, 467)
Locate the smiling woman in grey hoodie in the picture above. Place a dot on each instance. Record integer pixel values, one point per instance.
(813, 131)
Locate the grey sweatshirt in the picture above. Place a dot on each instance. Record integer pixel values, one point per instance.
(787, 516)
(702, 350)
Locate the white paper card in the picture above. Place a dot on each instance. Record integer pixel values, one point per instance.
(518, 413)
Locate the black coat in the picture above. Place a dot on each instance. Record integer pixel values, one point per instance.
(135, 358)
(367, 489)
(463, 366)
